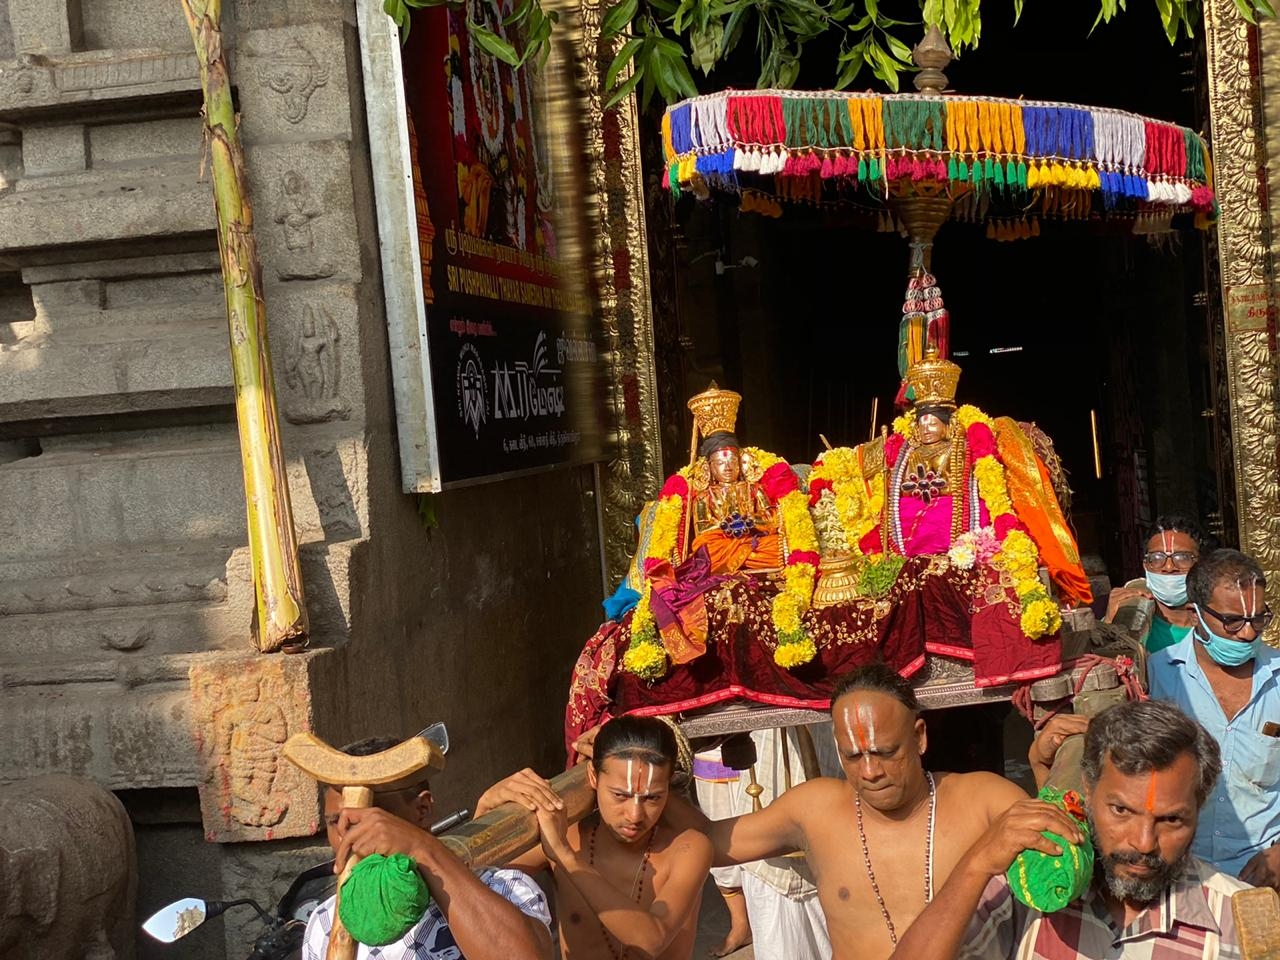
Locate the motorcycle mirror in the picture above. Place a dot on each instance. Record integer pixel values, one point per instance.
(177, 919)
(438, 734)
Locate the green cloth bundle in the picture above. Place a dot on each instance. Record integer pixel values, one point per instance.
(1048, 883)
(382, 898)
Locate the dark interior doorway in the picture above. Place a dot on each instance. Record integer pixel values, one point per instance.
(800, 314)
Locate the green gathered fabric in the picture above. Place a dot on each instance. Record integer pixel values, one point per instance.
(382, 898)
(1048, 883)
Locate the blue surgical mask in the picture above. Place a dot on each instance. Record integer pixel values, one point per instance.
(1169, 588)
(1225, 651)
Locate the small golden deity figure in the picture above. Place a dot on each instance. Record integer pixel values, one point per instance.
(731, 514)
(733, 510)
(931, 495)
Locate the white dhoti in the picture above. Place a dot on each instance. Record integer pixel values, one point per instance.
(782, 901)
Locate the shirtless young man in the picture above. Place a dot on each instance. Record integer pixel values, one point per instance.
(627, 885)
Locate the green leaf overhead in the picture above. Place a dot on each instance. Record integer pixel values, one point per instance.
(661, 43)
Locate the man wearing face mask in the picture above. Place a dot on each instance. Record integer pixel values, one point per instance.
(1172, 549)
(1224, 676)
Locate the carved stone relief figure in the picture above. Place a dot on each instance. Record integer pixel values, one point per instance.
(241, 715)
(311, 370)
(295, 74)
(254, 731)
(296, 208)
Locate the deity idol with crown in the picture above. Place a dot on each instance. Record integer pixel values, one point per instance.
(951, 481)
(733, 511)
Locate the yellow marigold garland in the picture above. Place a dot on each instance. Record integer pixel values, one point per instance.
(859, 514)
(666, 527)
(795, 647)
(800, 582)
(1019, 558)
(795, 654)
(902, 425)
(968, 415)
(797, 522)
(786, 613)
(648, 661)
(991, 486)
(1040, 616)
(646, 657)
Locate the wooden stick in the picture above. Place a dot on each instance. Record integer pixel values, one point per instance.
(342, 946)
(875, 415)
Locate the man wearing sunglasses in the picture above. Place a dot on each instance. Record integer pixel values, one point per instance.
(1224, 676)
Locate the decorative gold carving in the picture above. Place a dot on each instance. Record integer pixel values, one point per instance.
(837, 580)
(614, 184)
(715, 410)
(1238, 131)
(933, 381)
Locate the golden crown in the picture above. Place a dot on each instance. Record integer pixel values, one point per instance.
(933, 381)
(715, 410)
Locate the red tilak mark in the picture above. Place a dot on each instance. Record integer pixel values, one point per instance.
(860, 730)
(1151, 794)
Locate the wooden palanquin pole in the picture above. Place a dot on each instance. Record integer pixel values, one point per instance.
(280, 613)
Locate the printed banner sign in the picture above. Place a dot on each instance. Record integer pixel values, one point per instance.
(514, 345)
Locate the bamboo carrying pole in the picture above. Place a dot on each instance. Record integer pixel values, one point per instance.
(280, 615)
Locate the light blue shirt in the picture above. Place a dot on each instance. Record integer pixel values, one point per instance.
(1242, 814)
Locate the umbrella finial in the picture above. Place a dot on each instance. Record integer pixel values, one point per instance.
(931, 55)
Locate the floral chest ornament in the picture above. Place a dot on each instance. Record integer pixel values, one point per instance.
(924, 482)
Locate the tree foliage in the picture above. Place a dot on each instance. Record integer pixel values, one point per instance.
(662, 43)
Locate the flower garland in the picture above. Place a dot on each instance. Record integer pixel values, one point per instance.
(840, 471)
(1020, 560)
(646, 657)
(1017, 556)
(794, 647)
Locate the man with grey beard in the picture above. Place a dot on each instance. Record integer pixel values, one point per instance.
(1147, 770)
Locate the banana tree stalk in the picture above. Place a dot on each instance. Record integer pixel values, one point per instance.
(281, 614)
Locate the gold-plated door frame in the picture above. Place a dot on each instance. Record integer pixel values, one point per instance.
(615, 188)
(1242, 125)
(1242, 122)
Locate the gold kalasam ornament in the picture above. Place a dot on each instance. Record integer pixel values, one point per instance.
(933, 381)
(837, 580)
(715, 410)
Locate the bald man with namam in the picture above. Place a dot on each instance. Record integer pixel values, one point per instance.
(886, 837)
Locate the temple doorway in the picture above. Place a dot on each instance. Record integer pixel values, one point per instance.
(1101, 339)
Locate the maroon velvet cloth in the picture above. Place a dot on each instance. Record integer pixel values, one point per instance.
(931, 607)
